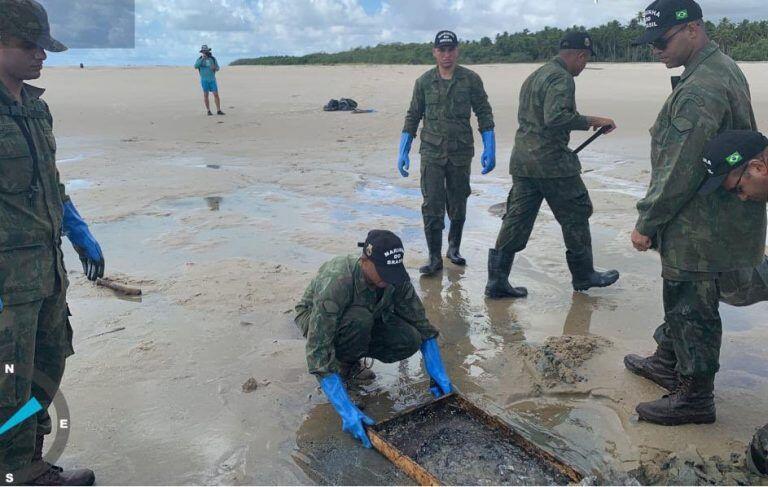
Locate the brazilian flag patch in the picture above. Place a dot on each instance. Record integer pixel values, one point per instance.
(734, 159)
(681, 14)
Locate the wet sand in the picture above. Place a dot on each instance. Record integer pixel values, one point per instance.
(222, 221)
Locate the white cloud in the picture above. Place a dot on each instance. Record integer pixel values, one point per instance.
(171, 31)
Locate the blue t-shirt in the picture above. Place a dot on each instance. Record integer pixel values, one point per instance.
(206, 67)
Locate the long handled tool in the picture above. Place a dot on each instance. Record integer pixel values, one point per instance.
(597, 134)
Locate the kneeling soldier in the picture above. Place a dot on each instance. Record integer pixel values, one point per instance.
(358, 307)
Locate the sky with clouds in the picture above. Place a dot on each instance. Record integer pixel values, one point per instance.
(170, 32)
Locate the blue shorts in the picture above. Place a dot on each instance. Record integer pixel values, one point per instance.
(209, 85)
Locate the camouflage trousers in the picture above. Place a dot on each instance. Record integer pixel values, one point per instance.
(567, 198)
(444, 187)
(692, 327)
(388, 339)
(36, 338)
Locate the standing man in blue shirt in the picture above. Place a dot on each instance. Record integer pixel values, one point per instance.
(207, 65)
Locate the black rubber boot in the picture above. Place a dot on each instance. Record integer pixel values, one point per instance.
(658, 368)
(454, 242)
(499, 267)
(435, 245)
(53, 475)
(585, 276)
(693, 402)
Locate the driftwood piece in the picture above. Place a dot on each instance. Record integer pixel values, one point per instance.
(117, 287)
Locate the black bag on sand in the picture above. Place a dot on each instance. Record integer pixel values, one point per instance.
(331, 106)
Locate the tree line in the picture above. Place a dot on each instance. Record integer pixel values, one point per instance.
(744, 41)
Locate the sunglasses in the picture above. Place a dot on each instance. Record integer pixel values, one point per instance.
(737, 188)
(662, 43)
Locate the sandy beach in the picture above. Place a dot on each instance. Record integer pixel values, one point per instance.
(222, 221)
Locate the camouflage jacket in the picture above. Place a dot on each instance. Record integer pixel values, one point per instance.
(694, 233)
(546, 116)
(339, 285)
(446, 112)
(31, 199)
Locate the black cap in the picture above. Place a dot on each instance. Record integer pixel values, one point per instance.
(728, 151)
(661, 15)
(446, 38)
(385, 250)
(577, 40)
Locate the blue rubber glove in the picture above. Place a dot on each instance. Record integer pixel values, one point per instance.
(403, 160)
(435, 368)
(1, 305)
(488, 160)
(352, 418)
(84, 243)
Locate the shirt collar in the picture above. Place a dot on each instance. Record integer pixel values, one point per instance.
(28, 92)
(702, 56)
(457, 73)
(559, 61)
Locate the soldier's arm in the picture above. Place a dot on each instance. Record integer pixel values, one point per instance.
(481, 106)
(62, 189)
(681, 172)
(415, 110)
(408, 306)
(560, 105)
(327, 307)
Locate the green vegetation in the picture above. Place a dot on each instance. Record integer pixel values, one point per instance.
(746, 41)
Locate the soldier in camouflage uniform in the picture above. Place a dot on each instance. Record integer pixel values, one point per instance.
(444, 97)
(698, 236)
(35, 333)
(365, 306)
(544, 168)
(737, 162)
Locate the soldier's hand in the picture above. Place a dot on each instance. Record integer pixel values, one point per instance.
(93, 263)
(488, 160)
(640, 241)
(599, 122)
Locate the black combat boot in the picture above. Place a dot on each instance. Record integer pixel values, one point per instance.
(53, 475)
(693, 402)
(435, 245)
(658, 368)
(585, 276)
(454, 242)
(356, 371)
(499, 267)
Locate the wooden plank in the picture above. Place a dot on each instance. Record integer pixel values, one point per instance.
(401, 461)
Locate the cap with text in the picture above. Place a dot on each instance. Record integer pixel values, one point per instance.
(728, 151)
(385, 250)
(446, 38)
(662, 15)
